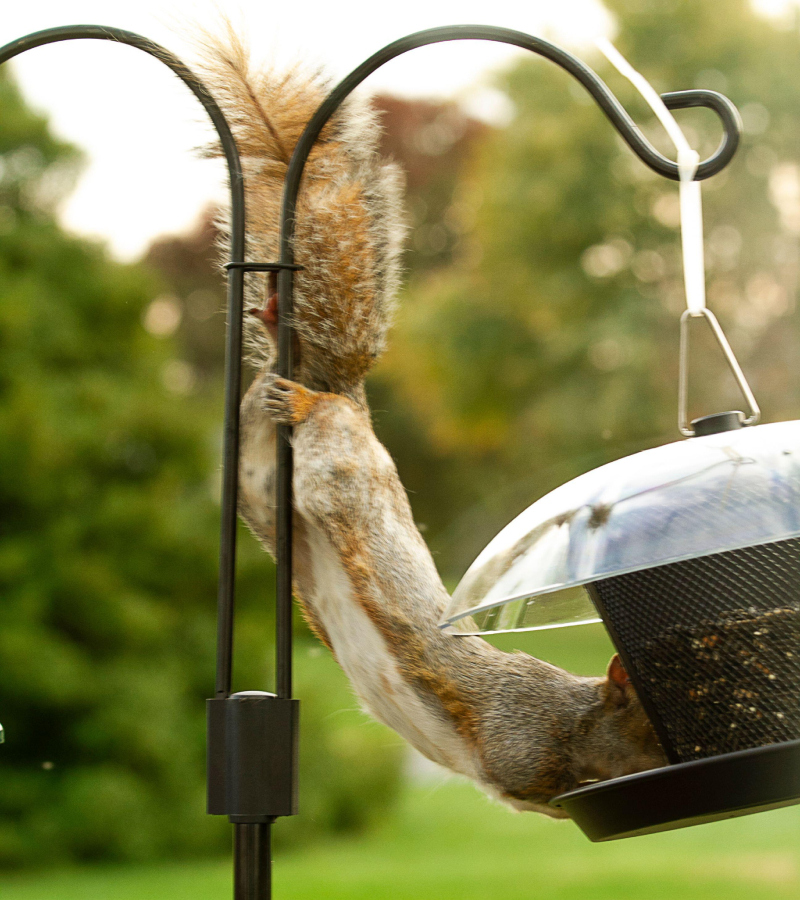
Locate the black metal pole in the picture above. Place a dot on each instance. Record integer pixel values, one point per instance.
(252, 861)
(285, 506)
(252, 857)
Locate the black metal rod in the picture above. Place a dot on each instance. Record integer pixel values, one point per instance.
(252, 861)
(731, 125)
(627, 128)
(283, 538)
(233, 343)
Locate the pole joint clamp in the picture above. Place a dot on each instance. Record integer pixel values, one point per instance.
(252, 756)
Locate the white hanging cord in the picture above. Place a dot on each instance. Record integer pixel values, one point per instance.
(694, 277)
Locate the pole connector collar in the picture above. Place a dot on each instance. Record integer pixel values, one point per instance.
(252, 756)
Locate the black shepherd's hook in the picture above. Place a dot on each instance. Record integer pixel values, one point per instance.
(252, 757)
(233, 346)
(605, 99)
(628, 130)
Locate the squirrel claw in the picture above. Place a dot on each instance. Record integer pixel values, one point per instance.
(287, 402)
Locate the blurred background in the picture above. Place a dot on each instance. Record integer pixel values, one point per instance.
(537, 338)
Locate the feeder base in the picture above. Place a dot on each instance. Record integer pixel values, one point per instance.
(692, 793)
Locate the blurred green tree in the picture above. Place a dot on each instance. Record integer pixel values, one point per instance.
(550, 346)
(107, 540)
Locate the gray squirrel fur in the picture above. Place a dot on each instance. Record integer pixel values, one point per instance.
(523, 729)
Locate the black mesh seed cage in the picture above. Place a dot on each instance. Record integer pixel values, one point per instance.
(712, 646)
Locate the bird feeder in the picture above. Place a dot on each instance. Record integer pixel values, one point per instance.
(690, 555)
(669, 544)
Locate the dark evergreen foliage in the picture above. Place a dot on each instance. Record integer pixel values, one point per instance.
(109, 464)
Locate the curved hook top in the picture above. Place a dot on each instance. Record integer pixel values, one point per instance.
(625, 126)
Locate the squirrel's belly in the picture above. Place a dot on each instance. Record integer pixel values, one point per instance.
(376, 678)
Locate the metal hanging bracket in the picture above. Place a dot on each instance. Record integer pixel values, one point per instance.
(753, 413)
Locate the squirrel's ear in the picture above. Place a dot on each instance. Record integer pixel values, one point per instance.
(618, 681)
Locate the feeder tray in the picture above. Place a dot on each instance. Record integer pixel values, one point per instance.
(690, 555)
(693, 793)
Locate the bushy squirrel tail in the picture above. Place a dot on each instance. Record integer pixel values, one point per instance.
(349, 223)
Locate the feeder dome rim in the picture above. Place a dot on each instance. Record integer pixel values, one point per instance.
(448, 629)
(679, 462)
(447, 623)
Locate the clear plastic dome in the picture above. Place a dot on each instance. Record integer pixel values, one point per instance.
(684, 500)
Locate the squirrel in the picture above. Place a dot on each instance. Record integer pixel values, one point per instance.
(524, 730)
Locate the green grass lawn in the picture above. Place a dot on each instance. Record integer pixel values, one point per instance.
(450, 843)
(446, 841)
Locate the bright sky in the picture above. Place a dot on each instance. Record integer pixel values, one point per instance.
(139, 125)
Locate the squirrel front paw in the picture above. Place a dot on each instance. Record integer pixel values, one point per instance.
(287, 402)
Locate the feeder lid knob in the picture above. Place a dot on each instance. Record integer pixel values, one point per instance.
(714, 424)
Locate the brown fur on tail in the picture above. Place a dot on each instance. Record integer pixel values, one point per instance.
(349, 228)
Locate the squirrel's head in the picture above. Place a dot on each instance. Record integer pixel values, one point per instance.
(615, 736)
